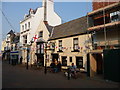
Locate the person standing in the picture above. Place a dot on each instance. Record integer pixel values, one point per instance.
(59, 66)
(21, 60)
(55, 67)
(52, 65)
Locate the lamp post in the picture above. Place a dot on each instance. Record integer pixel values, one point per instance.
(27, 59)
(45, 58)
(27, 55)
(105, 33)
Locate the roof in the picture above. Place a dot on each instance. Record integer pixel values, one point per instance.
(74, 27)
(40, 40)
(49, 28)
(29, 15)
(31, 10)
(11, 32)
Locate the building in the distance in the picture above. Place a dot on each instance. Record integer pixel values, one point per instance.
(11, 47)
(8, 42)
(14, 52)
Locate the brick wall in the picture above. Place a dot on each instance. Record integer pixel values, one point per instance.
(97, 5)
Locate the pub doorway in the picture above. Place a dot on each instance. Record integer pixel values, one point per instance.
(40, 59)
(79, 62)
(55, 56)
(99, 63)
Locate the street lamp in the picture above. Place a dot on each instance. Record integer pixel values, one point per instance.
(28, 54)
(45, 58)
(27, 59)
(41, 41)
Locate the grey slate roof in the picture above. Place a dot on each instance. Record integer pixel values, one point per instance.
(74, 27)
(49, 28)
(11, 32)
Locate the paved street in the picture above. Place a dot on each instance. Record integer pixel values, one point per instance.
(0, 72)
(19, 77)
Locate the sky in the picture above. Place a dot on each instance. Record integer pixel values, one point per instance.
(15, 11)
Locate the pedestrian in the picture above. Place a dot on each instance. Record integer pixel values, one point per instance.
(55, 67)
(59, 66)
(21, 60)
(52, 65)
(73, 70)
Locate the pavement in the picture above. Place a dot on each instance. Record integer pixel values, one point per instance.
(19, 77)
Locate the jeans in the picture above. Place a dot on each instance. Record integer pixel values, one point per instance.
(55, 70)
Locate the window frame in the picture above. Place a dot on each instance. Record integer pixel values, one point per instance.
(22, 27)
(60, 45)
(75, 45)
(80, 61)
(28, 24)
(113, 16)
(41, 34)
(25, 26)
(25, 39)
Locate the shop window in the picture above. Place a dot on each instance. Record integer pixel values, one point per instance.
(79, 62)
(64, 61)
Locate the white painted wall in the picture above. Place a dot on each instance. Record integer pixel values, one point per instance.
(52, 18)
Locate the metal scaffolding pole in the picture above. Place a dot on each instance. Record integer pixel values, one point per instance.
(105, 34)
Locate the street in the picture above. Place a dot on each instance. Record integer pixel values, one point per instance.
(0, 72)
(18, 77)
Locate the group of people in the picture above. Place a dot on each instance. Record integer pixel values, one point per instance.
(55, 66)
